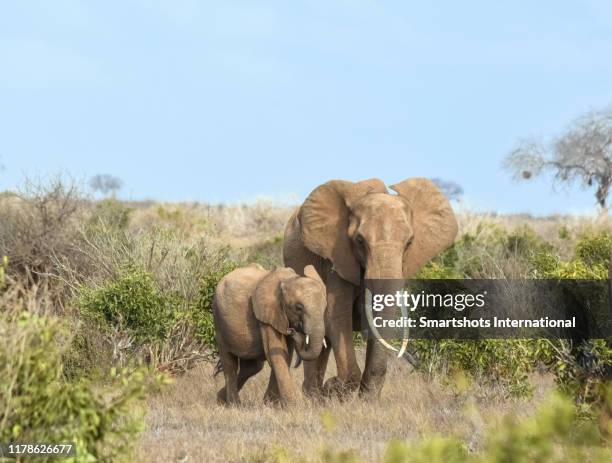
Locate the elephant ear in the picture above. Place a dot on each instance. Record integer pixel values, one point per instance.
(311, 272)
(433, 222)
(267, 300)
(324, 219)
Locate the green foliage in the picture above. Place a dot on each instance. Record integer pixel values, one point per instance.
(269, 254)
(524, 242)
(438, 271)
(181, 219)
(503, 362)
(431, 450)
(564, 233)
(202, 314)
(580, 370)
(38, 404)
(554, 433)
(595, 249)
(482, 252)
(132, 301)
(109, 214)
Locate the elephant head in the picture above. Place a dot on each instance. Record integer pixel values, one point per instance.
(295, 306)
(366, 232)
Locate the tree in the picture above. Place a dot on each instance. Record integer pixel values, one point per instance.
(105, 183)
(583, 153)
(451, 190)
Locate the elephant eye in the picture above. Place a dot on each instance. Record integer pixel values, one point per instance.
(359, 239)
(409, 242)
(299, 307)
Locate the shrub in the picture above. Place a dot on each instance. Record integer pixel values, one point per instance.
(109, 214)
(564, 232)
(506, 363)
(595, 250)
(38, 226)
(488, 251)
(131, 302)
(502, 362)
(202, 314)
(580, 370)
(269, 253)
(38, 404)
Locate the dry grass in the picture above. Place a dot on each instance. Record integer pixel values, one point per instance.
(185, 420)
(241, 225)
(547, 227)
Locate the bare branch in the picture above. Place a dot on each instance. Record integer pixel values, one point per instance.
(583, 154)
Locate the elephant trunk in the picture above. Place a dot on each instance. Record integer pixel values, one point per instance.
(384, 276)
(312, 349)
(385, 262)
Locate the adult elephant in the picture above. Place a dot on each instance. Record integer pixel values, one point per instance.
(353, 232)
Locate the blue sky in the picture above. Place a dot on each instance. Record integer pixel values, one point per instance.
(229, 101)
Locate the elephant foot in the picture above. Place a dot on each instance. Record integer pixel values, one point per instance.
(278, 401)
(312, 390)
(272, 396)
(371, 390)
(223, 400)
(339, 389)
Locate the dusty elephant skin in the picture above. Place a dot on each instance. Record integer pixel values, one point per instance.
(261, 315)
(353, 232)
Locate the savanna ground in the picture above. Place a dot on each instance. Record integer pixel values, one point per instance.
(185, 420)
(106, 340)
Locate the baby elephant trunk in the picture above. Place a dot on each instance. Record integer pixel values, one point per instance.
(310, 343)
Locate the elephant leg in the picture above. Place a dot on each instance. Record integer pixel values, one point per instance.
(278, 354)
(314, 373)
(272, 395)
(229, 394)
(339, 330)
(247, 369)
(375, 369)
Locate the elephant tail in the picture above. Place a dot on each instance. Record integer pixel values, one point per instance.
(218, 368)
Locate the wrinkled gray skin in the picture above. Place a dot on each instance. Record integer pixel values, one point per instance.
(352, 232)
(261, 315)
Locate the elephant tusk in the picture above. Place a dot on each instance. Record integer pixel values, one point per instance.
(307, 339)
(324, 344)
(378, 337)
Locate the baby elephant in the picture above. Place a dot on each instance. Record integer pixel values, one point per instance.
(262, 315)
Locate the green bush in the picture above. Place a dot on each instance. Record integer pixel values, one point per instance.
(430, 450)
(38, 404)
(488, 251)
(109, 214)
(269, 253)
(506, 363)
(595, 249)
(133, 302)
(202, 314)
(501, 362)
(580, 370)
